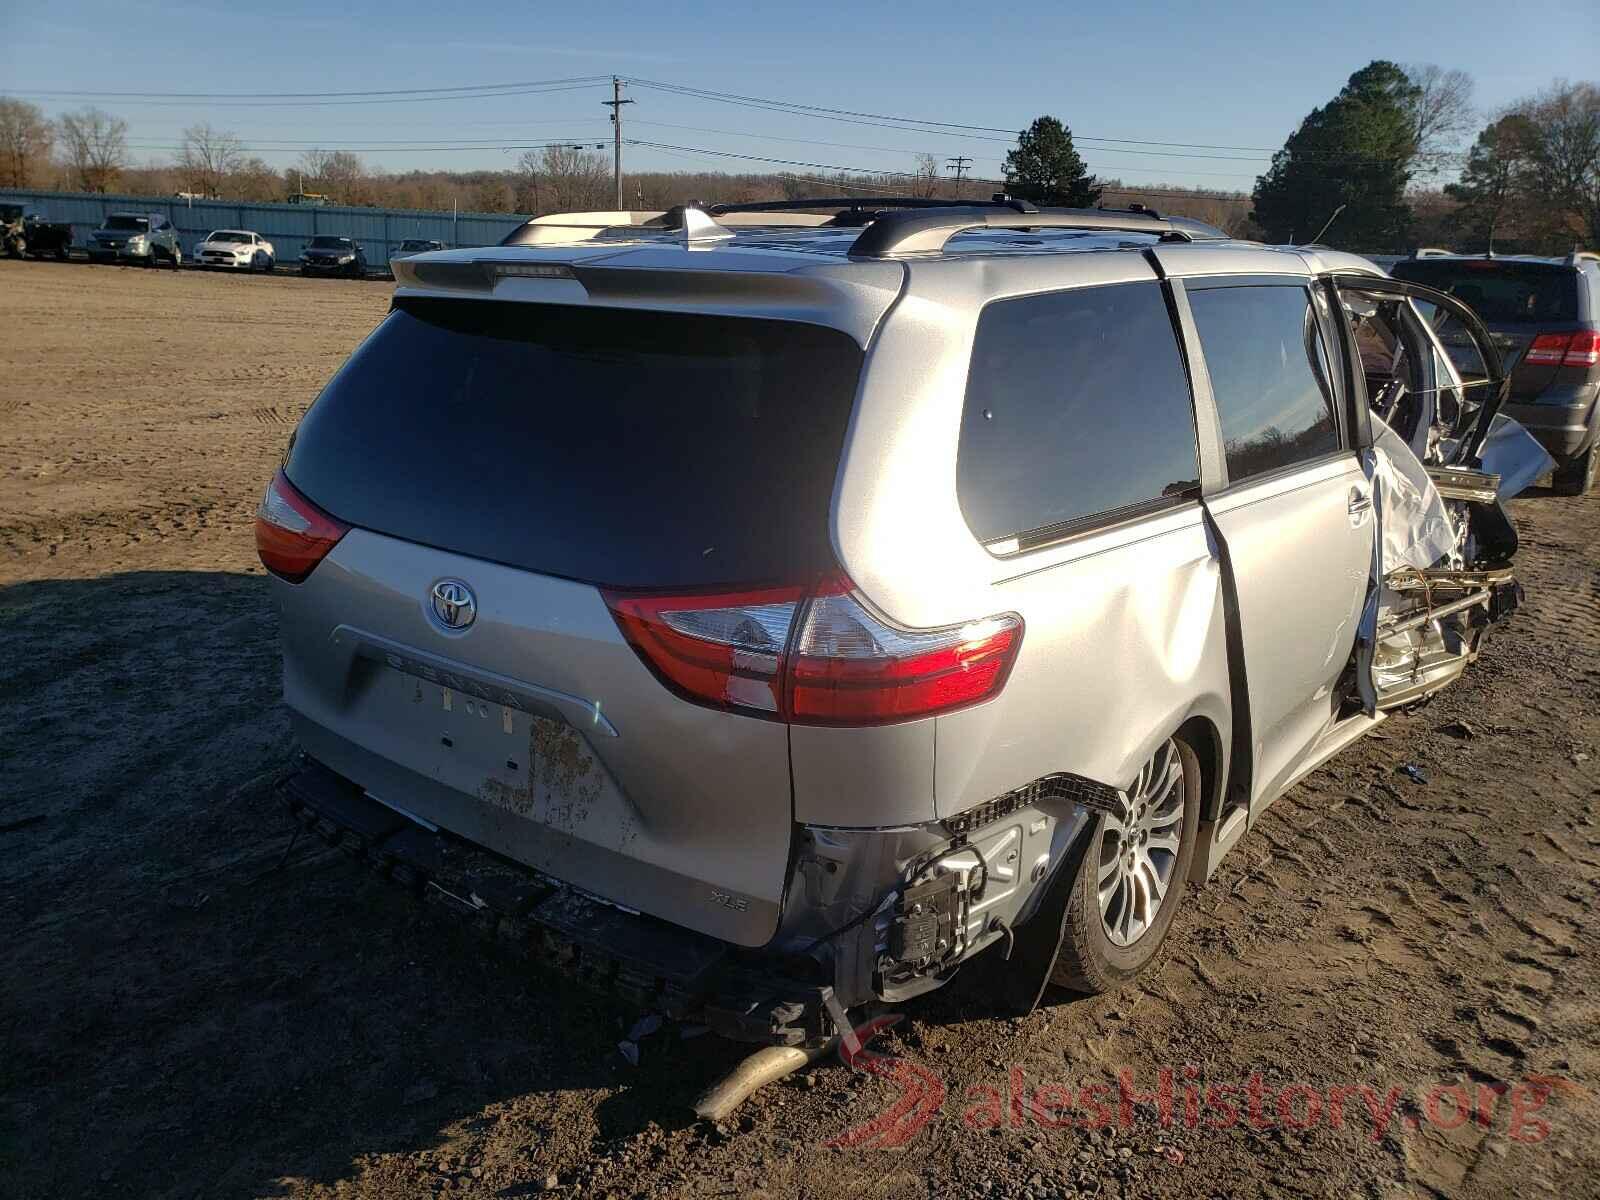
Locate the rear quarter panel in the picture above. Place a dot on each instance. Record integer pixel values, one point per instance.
(1124, 638)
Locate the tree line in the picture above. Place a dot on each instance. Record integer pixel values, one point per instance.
(1381, 167)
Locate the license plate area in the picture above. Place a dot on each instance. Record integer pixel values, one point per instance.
(465, 738)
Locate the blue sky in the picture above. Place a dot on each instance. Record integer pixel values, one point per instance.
(1239, 78)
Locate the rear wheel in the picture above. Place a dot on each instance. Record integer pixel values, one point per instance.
(63, 252)
(1131, 876)
(1577, 476)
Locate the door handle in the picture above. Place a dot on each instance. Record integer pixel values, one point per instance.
(1359, 505)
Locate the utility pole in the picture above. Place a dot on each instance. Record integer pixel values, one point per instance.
(959, 163)
(615, 105)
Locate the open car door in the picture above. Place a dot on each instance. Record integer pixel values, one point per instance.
(1441, 571)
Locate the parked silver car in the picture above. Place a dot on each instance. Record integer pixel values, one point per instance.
(811, 605)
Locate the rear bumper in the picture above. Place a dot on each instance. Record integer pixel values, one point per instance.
(1566, 429)
(566, 849)
(654, 964)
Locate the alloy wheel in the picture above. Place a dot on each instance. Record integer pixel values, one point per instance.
(1139, 848)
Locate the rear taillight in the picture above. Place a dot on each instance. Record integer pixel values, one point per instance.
(725, 650)
(292, 534)
(817, 657)
(1581, 349)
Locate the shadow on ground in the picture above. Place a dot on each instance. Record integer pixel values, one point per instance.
(186, 1010)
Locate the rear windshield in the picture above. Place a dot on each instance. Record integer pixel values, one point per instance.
(1501, 292)
(634, 449)
(119, 222)
(331, 243)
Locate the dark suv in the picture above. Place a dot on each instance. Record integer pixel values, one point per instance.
(1544, 314)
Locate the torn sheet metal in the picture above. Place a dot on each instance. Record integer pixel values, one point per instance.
(1511, 452)
(1417, 529)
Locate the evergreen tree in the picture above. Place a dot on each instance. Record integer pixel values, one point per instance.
(1355, 151)
(1046, 169)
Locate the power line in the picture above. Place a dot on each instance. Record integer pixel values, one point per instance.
(471, 87)
(571, 83)
(929, 125)
(481, 95)
(790, 105)
(960, 163)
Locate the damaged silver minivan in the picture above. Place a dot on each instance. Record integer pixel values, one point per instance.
(797, 608)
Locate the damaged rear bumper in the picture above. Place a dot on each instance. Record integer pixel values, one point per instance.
(874, 915)
(647, 961)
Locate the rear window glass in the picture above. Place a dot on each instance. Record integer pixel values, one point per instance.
(1501, 292)
(1077, 406)
(627, 448)
(1268, 375)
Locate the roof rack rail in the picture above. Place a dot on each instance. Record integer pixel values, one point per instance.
(1581, 256)
(927, 230)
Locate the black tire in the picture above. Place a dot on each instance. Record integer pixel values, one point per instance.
(1088, 960)
(1576, 477)
(63, 252)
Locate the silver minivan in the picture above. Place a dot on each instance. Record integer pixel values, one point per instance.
(804, 605)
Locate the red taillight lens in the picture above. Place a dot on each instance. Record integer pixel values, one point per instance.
(1583, 350)
(822, 658)
(1547, 349)
(850, 667)
(725, 650)
(292, 534)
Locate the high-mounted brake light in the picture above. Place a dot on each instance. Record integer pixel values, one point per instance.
(1580, 349)
(292, 534)
(817, 657)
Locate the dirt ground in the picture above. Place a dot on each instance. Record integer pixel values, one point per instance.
(183, 1018)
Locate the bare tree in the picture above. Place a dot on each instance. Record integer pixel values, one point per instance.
(1441, 114)
(529, 165)
(572, 180)
(1566, 153)
(96, 147)
(339, 174)
(926, 182)
(25, 141)
(208, 157)
(253, 179)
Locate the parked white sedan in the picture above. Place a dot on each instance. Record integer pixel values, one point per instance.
(241, 249)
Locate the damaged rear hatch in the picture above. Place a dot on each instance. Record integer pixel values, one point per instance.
(505, 468)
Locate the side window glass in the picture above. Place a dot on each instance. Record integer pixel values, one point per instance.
(1077, 405)
(1268, 375)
